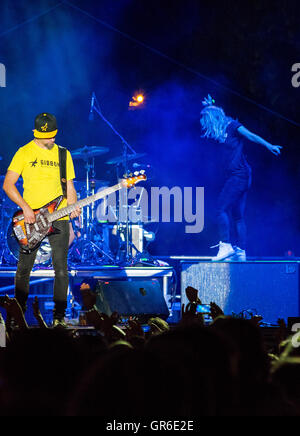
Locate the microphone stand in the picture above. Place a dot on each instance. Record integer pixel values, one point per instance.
(126, 147)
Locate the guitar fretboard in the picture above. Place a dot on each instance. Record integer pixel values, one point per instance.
(81, 203)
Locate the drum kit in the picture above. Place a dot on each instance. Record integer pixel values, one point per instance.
(92, 241)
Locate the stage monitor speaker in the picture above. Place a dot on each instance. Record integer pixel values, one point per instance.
(141, 298)
(269, 288)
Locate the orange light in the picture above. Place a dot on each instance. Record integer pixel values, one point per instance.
(140, 98)
(137, 100)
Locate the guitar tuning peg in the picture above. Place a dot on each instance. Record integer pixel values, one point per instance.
(130, 174)
(136, 173)
(142, 172)
(124, 176)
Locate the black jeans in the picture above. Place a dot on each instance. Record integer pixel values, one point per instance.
(59, 245)
(231, 209)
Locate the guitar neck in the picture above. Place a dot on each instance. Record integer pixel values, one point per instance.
(61, 213)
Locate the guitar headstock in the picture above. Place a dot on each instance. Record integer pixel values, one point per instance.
(133, 179)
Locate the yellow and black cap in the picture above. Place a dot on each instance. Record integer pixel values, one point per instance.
(45, 126)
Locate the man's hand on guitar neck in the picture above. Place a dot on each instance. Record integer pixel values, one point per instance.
(29, 215)
(76, 213)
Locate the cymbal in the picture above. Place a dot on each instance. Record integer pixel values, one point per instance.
(87, 152)
(120, 159)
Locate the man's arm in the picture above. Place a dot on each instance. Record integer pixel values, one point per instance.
(72, 198)
(275, 149)
(9, 187)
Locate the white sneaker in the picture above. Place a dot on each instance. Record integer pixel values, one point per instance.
(239, 255)
(225, 251)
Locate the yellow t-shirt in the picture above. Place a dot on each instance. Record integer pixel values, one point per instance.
(39, 169)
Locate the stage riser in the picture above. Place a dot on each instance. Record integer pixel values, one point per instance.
(270, 288)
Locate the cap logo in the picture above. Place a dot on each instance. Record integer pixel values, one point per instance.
(45, 127)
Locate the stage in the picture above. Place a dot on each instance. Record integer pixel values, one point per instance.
(269, 288)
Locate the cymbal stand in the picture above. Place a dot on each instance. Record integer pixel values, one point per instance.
(126, 147)
(90, 190)
(84, 247)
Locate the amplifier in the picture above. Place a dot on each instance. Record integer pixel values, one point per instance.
(140, 298)
(269, 288)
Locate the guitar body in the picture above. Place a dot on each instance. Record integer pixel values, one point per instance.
(30, 236)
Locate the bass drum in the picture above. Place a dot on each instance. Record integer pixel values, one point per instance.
(43, 256)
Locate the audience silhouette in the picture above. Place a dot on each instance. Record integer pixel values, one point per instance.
(186, 370)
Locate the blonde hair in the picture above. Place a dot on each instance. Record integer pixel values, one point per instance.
(214, 122)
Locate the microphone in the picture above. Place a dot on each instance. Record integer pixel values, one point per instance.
(91, 115)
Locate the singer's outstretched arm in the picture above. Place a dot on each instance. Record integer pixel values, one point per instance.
(275, 149)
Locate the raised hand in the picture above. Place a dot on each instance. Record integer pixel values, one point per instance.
(101, 321)
(134, 329)
(275, 149)
(215, 311)
(14, 310)
(189, 315)
(95, 318)
(36, 307)
(37, 313)
(192, 295)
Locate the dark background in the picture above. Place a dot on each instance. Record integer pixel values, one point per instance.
(57, 53)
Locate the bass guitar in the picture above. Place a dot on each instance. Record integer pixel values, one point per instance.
(30, 236)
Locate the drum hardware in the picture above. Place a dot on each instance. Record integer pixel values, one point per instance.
(121, 164)
(87, 248)
(86, 153)
(114, 240)
(135, 240)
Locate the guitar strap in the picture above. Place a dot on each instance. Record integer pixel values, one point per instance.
(62, 152)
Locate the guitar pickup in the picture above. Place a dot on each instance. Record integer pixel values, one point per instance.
(43, 221)
(27, 226)
(19, 233)
(33, 238)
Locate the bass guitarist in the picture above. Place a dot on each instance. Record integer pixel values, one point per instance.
(39, 165)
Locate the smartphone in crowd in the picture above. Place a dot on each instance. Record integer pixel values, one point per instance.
(203, 308)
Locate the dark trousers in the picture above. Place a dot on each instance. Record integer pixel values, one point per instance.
(231, 210)
(59, 245)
